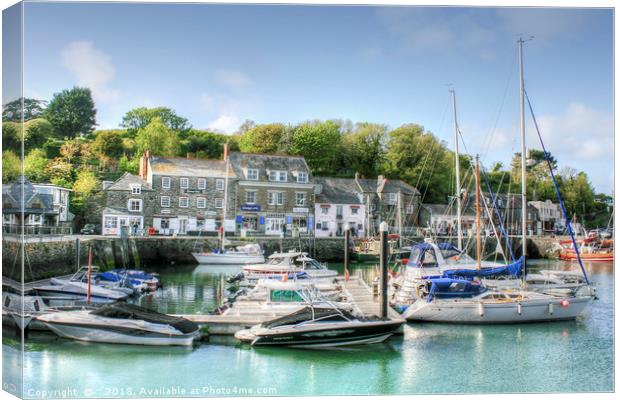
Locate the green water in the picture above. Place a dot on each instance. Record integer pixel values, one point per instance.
(428, 358)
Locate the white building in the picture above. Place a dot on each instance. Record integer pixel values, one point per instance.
(338, 202)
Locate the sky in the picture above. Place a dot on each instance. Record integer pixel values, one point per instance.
(218, 65)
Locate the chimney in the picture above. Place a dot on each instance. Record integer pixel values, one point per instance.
(144, 164)
(381, 181)
(226, 151)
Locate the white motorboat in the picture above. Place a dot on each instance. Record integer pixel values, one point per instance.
(279, 264)
(247, 254)
(77, 288)
(312, 327)
(20, 310)
(122, 323)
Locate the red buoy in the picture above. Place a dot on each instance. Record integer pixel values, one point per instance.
(565, 303)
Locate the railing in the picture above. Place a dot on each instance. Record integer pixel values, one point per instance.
(36, 230)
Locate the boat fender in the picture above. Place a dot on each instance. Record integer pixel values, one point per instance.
(519, 309)
(550, 308)
(565, 303)
(481, 309)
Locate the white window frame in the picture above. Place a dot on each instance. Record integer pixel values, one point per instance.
(392, 197)
(165, 182)
(219, 184)
(186, 202)
(354, 210)
(219, 202)
(110, 221)
(301, 174)
(409, 209)
(184, 183)
(136, 189)
(202, 184)
(253, 192)
(251, 174)
(324, 210)
(201, 202)
(278, 176)
(298, 198)
(130, 201)
(167, 202)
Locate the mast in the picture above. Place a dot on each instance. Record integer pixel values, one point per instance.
(224, 209)
(523, 150)
(400, 220)
(478, 242)
(457, 173)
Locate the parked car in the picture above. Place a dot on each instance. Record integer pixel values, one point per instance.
(89, 229)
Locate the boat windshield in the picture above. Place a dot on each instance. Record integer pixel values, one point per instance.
(275, 261)
(286, 296)
(308, 314)
(308, 263)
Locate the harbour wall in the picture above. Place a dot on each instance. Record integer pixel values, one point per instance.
(44, 259)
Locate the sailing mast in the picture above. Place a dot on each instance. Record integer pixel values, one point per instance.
(523, 151)
(223, 228)
(458, 174)
(478, 228)
(400, 220)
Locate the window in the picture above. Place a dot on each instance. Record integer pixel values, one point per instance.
(409, 209)
(219, 184)
(250, 197)
(165, 182)
(184, 183)
(165, 223)
(300, 199)
(201, 202)
(275, 198)
(136, 189)
(252, 174)
(110, 222)
(392, 197)
(354, 210)
(202, 183)
(277, 176)
(134, 205)
(219, 203)
(339, 211)
(302, 177)
(324, 210)
(183, 202)
(165, 201)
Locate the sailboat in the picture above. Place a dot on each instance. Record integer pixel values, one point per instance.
(454, 299)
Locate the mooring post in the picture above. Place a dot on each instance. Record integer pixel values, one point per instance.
(77, 254)
(347, 235)
(383, 264)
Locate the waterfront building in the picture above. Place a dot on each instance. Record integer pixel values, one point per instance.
(550, 216)
(45, 207)
(338, 201)
(442, 219)
(128, 205)
(275, 194)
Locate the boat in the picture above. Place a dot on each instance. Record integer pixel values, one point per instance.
(367, 249)
(138, 280)
(285, 263)
(20, 310)
(78, 288)
(247, 254)
(313, 327)
(122, 323)
(588, 252)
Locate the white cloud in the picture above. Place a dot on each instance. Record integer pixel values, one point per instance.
(232, 78)
(225, 123)
(92, 68)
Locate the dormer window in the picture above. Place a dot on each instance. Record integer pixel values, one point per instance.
(136, 189)
(302, 177)
(251, 174)
(277, 176)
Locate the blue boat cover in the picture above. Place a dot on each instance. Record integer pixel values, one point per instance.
(513, 270)
(443, 288)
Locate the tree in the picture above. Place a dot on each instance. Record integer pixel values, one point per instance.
(420, 159)
(204, 144)
(364, 148)
(127, 165)
(108, 144)
(11, 166)
(84, 187)
(578, 195)
(319, 143)
(141, 117)
(158, 138)
(71, 113)
(11, 136)
(35, 164)
(32, 108)
(36, 132)
(60, 172)
(262, 138)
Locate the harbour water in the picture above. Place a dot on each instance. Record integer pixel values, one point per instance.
(570, 356)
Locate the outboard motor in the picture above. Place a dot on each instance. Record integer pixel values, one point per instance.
(235, 278)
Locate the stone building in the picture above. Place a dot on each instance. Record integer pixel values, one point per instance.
(274, 194)
(550, 216)
(338, 201)
(45, 207)
(129, 204)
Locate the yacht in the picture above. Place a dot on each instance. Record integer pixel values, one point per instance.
(247, 254)
(313, 327)
(285, 263)
(122, 323)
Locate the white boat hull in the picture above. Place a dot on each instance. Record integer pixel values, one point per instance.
(228, 259)
(475, 312)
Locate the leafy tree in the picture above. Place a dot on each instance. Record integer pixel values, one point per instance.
(60, 172)
(364, 147)
(262, 138)
(140, 118)
(578, 195)
(319, 143)
(11, 136)
(204, 144)
(128, 165)
(35, 164)
(84, 187)
(32, 108)
(36, 132)
(158, 138)
(11, 166)
(246, 126)
(71, 112)
(108, 144)
(52, 147)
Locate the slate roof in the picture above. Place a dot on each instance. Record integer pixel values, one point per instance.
(338, 191)
(14, 198)
(263, 162)
(391, 186)
(125, 182)
(450, 209)
(199, 167)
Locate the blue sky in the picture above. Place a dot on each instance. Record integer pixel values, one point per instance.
(218, 65)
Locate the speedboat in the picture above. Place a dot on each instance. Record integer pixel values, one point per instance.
(312, 327)
(77, 288)
(124, 324)
(464, 301)
(285, 263)
(138, 280)
(247, 254)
